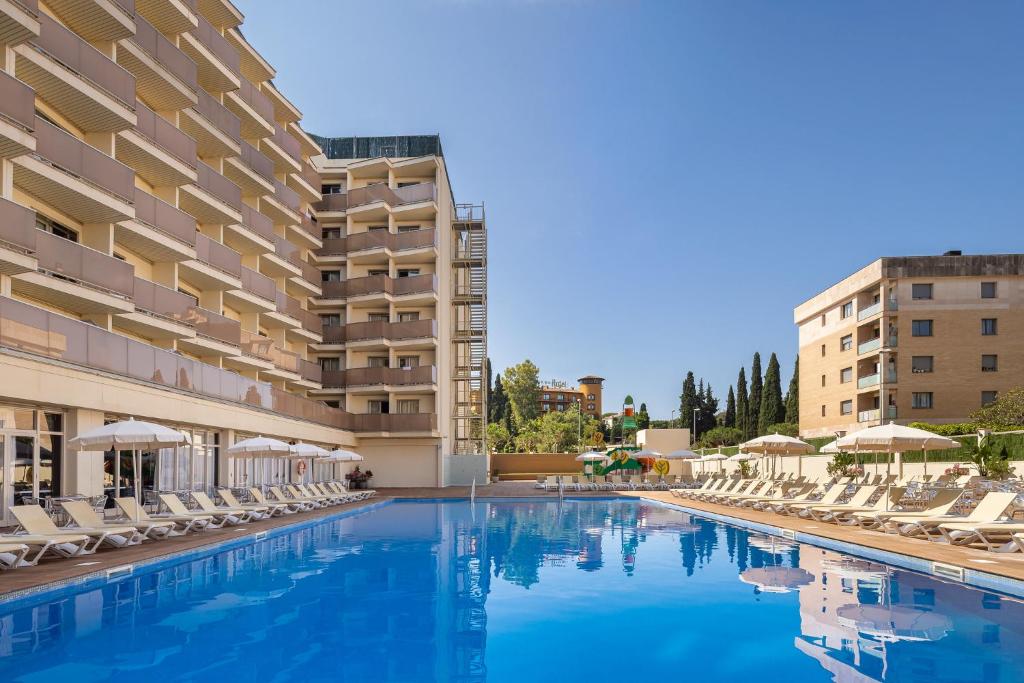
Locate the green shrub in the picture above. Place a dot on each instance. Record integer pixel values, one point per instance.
(841, 462)
(720, 436)
(951, 429)
(786, 428)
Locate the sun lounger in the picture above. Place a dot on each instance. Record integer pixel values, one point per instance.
(752, 487)
(214, 520)
(298, 491)
(940, 504)
(84, 516)
(709, 484)
(354, 495)
(12, 555)
(35, 521)
(830, 497)
(540, 482)
(783, 493)
(289, 508)
(266, 509)
(889, 500)
(727, 486)
(236, 515)
(767, 488)
(181, 525)
(823, 513)
(39, 546)
(941, 527)
(296, 504)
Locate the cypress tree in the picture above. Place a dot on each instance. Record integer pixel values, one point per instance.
(742, 402)
(497, 409)
(772, 408)
(708, 410)
(730, 408)
(754, 404)
(688, 402)
(643, 418)
(793, 395)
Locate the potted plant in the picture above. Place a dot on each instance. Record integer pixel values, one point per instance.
(358, 479)
(494, 477)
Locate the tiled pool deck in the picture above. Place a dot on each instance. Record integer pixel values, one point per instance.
(997, 571)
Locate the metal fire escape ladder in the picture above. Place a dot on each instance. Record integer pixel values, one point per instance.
(469, 333)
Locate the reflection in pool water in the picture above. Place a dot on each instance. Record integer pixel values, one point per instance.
(590, 590)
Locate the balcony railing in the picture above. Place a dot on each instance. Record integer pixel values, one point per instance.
(17, 226)
(258, 223)
(380, 284)
(310, 175)
(259, 162)
(165, 134)
(17, 102)
(310, 273)
(382, 239)
(165, 52)
(67, 152)
(209, 36)
(37, 331)
(410, 194)
(286, 251)
(284, 360)
(259, 102)
(216, 326)
(84, 60)
(287, 143)
(890, 412)
(394, 422)
(363, 377)
(868, 381)
(163, 302)
(333, 246)
(222, 118)
(870, 345)
(215, 254)
(310, 226)
(871, 310)
(868, 415)
(165, 218)
(76, 262)
(258, 284)
(219, 186)
(287, 195)
(414, 329)
(256, 345)
(311, 371)
(332, 202)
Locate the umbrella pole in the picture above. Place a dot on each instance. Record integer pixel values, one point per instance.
(925, 461)
(138, 481)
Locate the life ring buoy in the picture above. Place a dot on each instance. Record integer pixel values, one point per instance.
(300, 467)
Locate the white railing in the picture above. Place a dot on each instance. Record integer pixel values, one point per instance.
(870, 345)
(869, 311)
(868, 415)
(868, 381)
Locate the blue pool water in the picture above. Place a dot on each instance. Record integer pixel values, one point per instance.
(519, 591)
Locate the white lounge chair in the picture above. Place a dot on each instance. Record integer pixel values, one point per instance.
(12, 555)
(979, 526)
(35, 521)
(84, 515)
(182, 524)
(178, 509)
(234, 515)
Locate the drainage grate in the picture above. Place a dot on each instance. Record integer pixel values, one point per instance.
(788, 533)
(948, 571)
(120, 572)
(259, 536)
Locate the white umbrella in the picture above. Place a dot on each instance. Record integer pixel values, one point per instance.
(645, 453)
(682, 454)
(130, 434)
(829, 448)
(340, 455)
(592, 456)
(741, 457)
(301, 451)
(714, 457)
(777, 444)
(895, 623)
(258, 447)
(894, 438)
(777, 579)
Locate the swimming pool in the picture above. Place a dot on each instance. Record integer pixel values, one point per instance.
(586, 590)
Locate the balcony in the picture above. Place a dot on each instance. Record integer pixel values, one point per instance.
(17, 238)
(157, 150)
(78, 80)
(286, 365)
(307, 144)
(872, 310)
(254, 67)
(375, 202)
(97, 20)
(414, 422)
(252, 171)
(306, 232)
(216, 60)
(213, 199)
(306, 182)
(869, 381)
(336, 203)
(216, 266)
(869, 346)
(377, 246)
(74, 178)
(306, 284)
(57, 338)
(284, 150)
(284, 260)
(332, 246)
(253, 109)
(17, 117)
(170, 17)
(284, 315)
(220, 13)
(282, 206)
(159, 232)
(408, 332)
(380, 379)
(75, 278)
(216, 335)
(165, 77)
(160, 312)
(869, 415)
(255, 353)
(19, 21)
(310, 372)
(256, 295)
(420, 286)
(253, 235)
(216, 130)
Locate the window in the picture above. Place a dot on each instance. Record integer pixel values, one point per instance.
(590, 397)
(332, 404)
(408, 406)
(331, 320)
(823, 411)
(377, 317)
(330, 233)
(846, 408)
(408, 228)
(989, 397)
(54, 228)
(918, 291)
(408, 362)
(591, 406)
(378, 271)
(846, 375)
(846, 310)
(377, 407)
(823, 380)
(921, 399)
(330, 276)
(846, 343)
(921, 328)
(330, 188)
(988, 290)
(408, 272)
(822, 350)
(377, 362)
(823, 320)
(989, 362)
(190, 295)
(920, 364)
(408, 183)
(545, 407)
(408, 316)
(561, 397)
(561, 407)
(377, 228)
(330, 363)
(546, 397)
(988, 326)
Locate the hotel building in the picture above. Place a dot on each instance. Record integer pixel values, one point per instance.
(558, 396)
(159, 246)
(911, 339)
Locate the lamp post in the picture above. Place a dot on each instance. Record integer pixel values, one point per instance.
(695, 411)
(672, 421)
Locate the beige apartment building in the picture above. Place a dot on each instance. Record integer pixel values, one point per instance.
(909, 339)
(404, 279)
(159, 246)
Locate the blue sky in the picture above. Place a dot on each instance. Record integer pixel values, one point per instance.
(665, 181)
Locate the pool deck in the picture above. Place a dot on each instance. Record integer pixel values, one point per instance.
(1010, 565)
